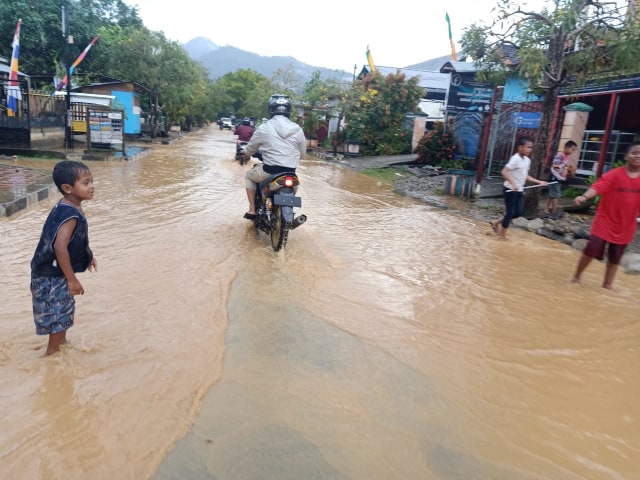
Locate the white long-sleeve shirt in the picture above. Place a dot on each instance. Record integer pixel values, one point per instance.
(281, 141)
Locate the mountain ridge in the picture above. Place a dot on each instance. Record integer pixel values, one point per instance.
(219, 61)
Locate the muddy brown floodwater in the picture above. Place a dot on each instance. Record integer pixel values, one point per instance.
(389, 340)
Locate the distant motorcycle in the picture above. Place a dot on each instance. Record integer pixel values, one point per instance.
(241, 156)
(275, 200)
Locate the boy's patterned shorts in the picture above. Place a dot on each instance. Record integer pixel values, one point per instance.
(53, 304)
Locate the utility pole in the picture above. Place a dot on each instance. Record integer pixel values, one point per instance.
(68, 40)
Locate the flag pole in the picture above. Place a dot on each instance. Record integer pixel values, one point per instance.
(14, 94)
(454, 56)
(68, 40)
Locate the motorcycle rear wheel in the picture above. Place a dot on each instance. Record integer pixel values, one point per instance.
(279, 229)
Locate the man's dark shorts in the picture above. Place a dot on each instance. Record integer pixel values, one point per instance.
(596, 246)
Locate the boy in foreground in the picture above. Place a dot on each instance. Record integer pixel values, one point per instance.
(63, 250)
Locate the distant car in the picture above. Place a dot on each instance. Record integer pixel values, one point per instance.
(225, 122)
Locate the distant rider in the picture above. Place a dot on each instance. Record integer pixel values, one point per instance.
(244, 131)
(281, 143)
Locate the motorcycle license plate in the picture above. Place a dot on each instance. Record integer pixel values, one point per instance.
(287, 200)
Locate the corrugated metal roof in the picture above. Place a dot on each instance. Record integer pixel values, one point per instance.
(459, 67)
(428, 80)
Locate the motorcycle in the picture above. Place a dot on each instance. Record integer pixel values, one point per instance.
(275, 201)
(241, 156)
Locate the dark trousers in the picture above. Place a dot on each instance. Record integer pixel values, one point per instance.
(513, 206)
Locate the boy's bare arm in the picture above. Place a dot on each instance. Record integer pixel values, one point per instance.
(506, 174)
(60, 247)
(535, 180)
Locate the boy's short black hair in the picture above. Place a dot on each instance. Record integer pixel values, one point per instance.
(524, 140)
(67, 172)
(570, 144)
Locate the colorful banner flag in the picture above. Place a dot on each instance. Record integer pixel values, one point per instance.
(453, 45)
(14, 94)
(63, 83)
(370, 60)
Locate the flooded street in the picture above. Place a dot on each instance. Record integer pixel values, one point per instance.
(389, 340)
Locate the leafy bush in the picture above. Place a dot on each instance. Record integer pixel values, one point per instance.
(435, 146)
(375, 112)
(572, 192)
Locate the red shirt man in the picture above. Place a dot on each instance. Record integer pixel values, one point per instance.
(615, 223)
(244, 132)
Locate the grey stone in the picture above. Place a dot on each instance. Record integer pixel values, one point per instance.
(579, 243)
(581, 233)
(631, 263)
(567, 239)
(544, 232)
(520, 222)
(535, 224)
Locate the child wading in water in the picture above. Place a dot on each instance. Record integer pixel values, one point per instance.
(62, 251)
(615, 222)
(515, 174)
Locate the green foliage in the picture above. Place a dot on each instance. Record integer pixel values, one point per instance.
(177, 85)
(242, 93)
(436, 146)
(572, 192)
(42, 45)
(564, 45)
(590, 181)
(375, 110)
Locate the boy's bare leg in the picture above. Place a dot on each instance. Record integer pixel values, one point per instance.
(609, 274)
(552, 204)
(582, 264)
(55, 340)
(496, 225)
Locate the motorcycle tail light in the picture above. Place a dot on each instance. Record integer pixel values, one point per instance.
(288, 181)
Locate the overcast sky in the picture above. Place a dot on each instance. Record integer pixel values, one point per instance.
(328, 33)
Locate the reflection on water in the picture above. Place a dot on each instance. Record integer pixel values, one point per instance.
(388, 340)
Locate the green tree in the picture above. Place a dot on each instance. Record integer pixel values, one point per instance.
(565, 44)
(42, 45)
(321, 98)
(177, 85)
(241, 93)
(376, 107)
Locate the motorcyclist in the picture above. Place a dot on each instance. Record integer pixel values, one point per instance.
(244, 131)
(281, 143)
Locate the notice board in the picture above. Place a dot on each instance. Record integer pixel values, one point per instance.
(105, 129)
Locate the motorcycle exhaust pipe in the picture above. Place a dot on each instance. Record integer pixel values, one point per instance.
(298, 221)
